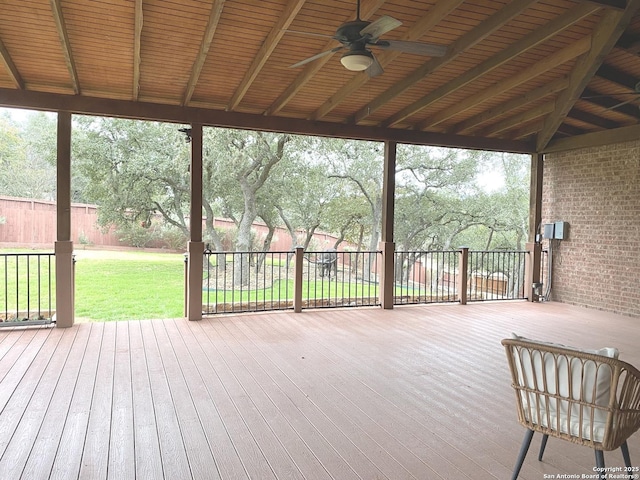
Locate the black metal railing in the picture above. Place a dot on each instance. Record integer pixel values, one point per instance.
(252, 281)
(28, 289)
(425, 277)
(341, 279)
(247, 281)
(258, 281)
(496, 275)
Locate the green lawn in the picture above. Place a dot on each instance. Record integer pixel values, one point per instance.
(129, 285)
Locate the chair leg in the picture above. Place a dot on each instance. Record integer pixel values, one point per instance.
(523, 453)
(600, 464)
(625, 454)
(543, 445)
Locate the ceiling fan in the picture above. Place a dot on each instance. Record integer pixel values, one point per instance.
(358, 35)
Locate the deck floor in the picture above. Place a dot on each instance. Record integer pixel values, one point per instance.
(415, 392)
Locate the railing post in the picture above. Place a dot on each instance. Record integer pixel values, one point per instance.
(463, 275)
(65, 283)
(194, 280)
(387, 274)
(532, 272)
(297, 280)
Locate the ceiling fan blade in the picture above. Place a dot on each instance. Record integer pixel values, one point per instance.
(375, 68)
(622, 103)
(381, 26)
(315, 57)
(413, 47)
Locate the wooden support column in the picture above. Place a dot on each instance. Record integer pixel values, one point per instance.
(532, 266)
(65, 286)
(195, 247)
(387, 245)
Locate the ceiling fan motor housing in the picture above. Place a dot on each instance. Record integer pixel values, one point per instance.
(349, 32)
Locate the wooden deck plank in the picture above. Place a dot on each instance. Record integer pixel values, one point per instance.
(121, 438)
(34, 412)
(95, 457)
(174, 456)
(56, 408)
(305, 461)
(315, 390)
(201, 461)
(148, 460)
(22, 381)
(331, 446)
(69, 454)
(332, 375)
(420, 392)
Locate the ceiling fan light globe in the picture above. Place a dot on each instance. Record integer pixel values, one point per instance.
(357, 61)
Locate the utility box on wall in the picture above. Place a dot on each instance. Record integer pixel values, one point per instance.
(561, 231)
(548, 230)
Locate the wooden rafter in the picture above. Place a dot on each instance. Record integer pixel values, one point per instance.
(608, 103)
(268, 46)
(605, 36)
(137, 36)
(11, 67)
(439, 11)
(519, 119)
(205, 45)
(537, 37)
(312, 68)
(458, 47)
(614, 4)
(595, 139)
(65, 44)
(514, 104)
(560, 57)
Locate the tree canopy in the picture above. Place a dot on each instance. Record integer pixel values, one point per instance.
(136, 171)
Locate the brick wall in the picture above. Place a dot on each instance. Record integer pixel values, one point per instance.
(596, 190)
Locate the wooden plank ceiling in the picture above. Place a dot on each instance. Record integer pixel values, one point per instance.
(519, 75)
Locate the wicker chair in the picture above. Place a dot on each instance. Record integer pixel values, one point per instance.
(586, 397)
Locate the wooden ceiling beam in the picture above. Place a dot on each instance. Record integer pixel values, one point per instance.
(608, 102)
(11, 68)
(592, 119)
(515, 121)
(630, 43)
(205, 45)
(366, 12)
(594, 139)
(439, 11)
(617, 76)
(465, 42)
(266, 49)
(535, 38)
(605, 36)
(84, 105)
(560, 57)
(137, 37)
(514, 104)
(58, 17)
(614, 4)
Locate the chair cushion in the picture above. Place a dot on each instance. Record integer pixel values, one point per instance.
(563, 385)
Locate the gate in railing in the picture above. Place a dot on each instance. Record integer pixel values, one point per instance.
(258, 281)
(496, 275)
(426, 277)
(28, 290)
(434, 276)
